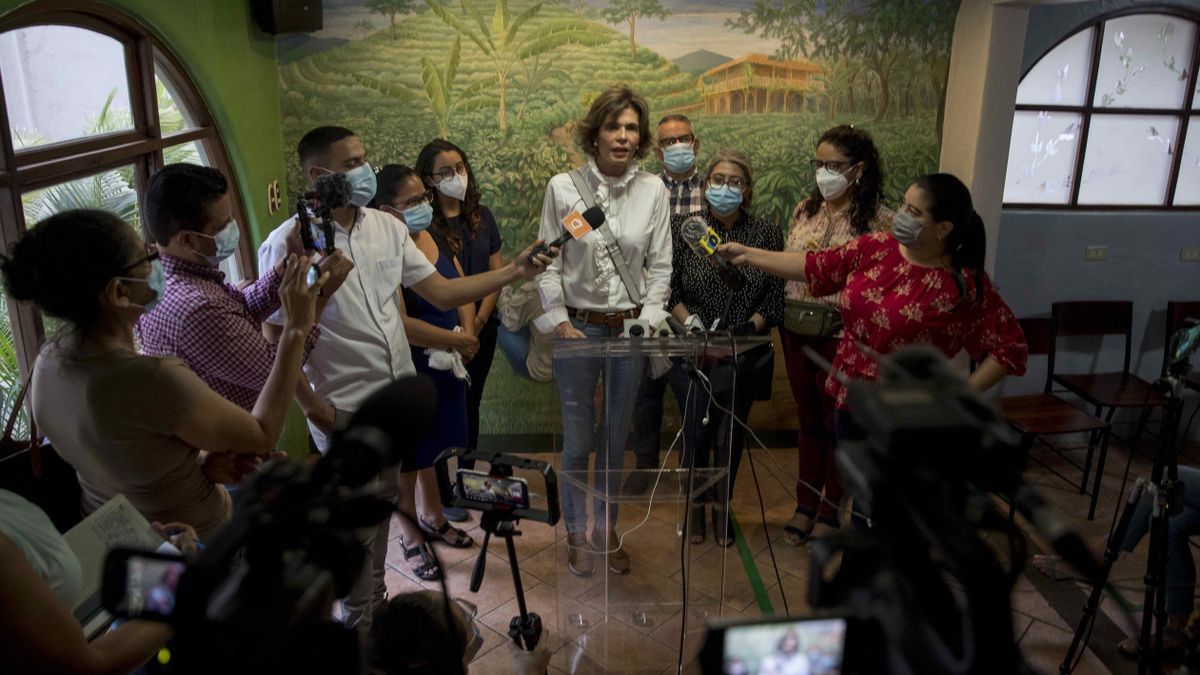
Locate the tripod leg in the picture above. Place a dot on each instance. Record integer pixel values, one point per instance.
(1111, 552)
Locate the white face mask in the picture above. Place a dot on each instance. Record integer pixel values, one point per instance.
(831, 183)
(454, 188)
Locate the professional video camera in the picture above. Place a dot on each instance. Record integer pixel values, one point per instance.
(258, 599)
(918, 588)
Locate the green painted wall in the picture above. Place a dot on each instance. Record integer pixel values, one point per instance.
(233, 65)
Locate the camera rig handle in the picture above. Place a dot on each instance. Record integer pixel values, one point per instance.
(499, 464)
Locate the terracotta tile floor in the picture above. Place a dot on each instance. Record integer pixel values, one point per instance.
(644, 608)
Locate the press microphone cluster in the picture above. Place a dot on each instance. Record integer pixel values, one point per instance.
(703, 240)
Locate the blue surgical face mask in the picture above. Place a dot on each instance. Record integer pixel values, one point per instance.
(362, 184)
(157, 281)
(418, 217)
(227, 242)
(679, 158)
(724, 200)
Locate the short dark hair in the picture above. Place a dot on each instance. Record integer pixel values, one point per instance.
(608, 105)
(316, 142)
(412, 636)
(178, 197)
(62, 264)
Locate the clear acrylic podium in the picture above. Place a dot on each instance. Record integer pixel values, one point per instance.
(635, 622)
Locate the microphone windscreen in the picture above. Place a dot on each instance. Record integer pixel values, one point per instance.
(694, 229)
(333, 190)
(594, 216)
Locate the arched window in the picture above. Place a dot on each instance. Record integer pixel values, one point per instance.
(93, 105)
(1110, 118)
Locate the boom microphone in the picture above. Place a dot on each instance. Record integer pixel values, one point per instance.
(703, 240)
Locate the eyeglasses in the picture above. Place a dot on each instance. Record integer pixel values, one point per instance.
(834, 166)
(669, 141)
(151, 255)
(735, 182)
(425, 198)
(447, 172)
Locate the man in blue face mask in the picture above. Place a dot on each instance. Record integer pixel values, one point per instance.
(363, 345)
(212, 325)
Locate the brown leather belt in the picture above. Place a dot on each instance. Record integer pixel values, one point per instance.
(599, 318)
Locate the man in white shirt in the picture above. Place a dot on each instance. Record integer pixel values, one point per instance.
(363, 345)
(586, 294)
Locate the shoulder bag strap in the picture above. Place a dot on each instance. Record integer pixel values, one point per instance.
(610, 242)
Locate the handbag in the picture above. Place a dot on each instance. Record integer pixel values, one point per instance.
(812, 319)
(43, 478)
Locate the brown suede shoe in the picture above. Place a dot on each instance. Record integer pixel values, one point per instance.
(579, 555)
(618, 559)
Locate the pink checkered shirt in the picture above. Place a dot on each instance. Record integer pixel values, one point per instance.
(216, 328)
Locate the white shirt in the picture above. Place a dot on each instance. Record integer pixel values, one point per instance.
(362, 345)
(46, 550)
(637, 210)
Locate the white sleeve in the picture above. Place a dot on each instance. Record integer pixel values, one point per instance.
(658, 261)
(274, 249)
(550, 282)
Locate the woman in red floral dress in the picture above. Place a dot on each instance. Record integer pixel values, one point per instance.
(921, 283)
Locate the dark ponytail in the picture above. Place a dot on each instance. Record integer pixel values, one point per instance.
(867, 193)
(63, 263)
(948, 199)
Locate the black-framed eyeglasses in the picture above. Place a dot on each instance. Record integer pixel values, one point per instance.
(672, 140)
(447, 172)
(426, 198)
(150, 256)
(834, 166)
(735, 182)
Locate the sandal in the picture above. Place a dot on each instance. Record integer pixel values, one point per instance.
(797, 536)
(446, 533)
(698, 526)
(722, 528)
(1048, 565)
(1174, 642)
(426, 566)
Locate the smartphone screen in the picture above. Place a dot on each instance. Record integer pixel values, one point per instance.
(1188, 340)
(150, 585)
(803, 646)
(477, 486)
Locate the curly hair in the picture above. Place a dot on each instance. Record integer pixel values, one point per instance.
(470, 208)
(867, 192)
(606, 107)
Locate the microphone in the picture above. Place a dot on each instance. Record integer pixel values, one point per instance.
(332, 191)
(676, 327)
(383, 432)
(576, 225)
(703, 240)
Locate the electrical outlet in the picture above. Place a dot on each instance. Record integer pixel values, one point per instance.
(1189, 254)
(1094, 253)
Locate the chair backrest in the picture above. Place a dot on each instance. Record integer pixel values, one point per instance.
(1037, 333)
(1089, 317)
(1176, 313)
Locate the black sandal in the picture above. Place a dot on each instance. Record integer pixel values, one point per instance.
(428, 569)
(446, 533)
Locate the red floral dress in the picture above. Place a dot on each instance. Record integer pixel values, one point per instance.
(888, 302)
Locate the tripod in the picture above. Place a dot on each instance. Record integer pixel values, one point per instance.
(525, 629)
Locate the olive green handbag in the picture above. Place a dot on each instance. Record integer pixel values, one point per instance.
(811, 318)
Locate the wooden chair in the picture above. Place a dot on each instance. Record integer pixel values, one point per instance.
(1045, 414)
(1176, 313)
(1106, 390)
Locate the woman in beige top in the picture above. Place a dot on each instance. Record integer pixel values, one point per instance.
(846, 204)
(128, 423)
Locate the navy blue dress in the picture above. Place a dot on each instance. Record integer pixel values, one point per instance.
(450, 425)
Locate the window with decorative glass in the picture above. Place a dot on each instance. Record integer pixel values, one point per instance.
(92, 106)
(1108, 118)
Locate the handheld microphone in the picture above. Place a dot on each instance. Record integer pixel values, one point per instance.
(576, 225)
(703, 240)
(676, 327)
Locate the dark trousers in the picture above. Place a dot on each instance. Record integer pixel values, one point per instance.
(647, 420)
(720, 442)
(815, 442)
(478, 369)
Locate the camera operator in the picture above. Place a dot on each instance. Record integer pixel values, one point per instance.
(414, 636)
(128, 423)
(921, 283)
(212, 326)
(363, 345)
(40, 580)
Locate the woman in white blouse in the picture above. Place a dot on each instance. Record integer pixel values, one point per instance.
(587, 294)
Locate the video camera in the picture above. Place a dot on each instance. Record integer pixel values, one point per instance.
(933, 448)
(258, 599)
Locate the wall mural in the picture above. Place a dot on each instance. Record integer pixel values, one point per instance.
(506, 81)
